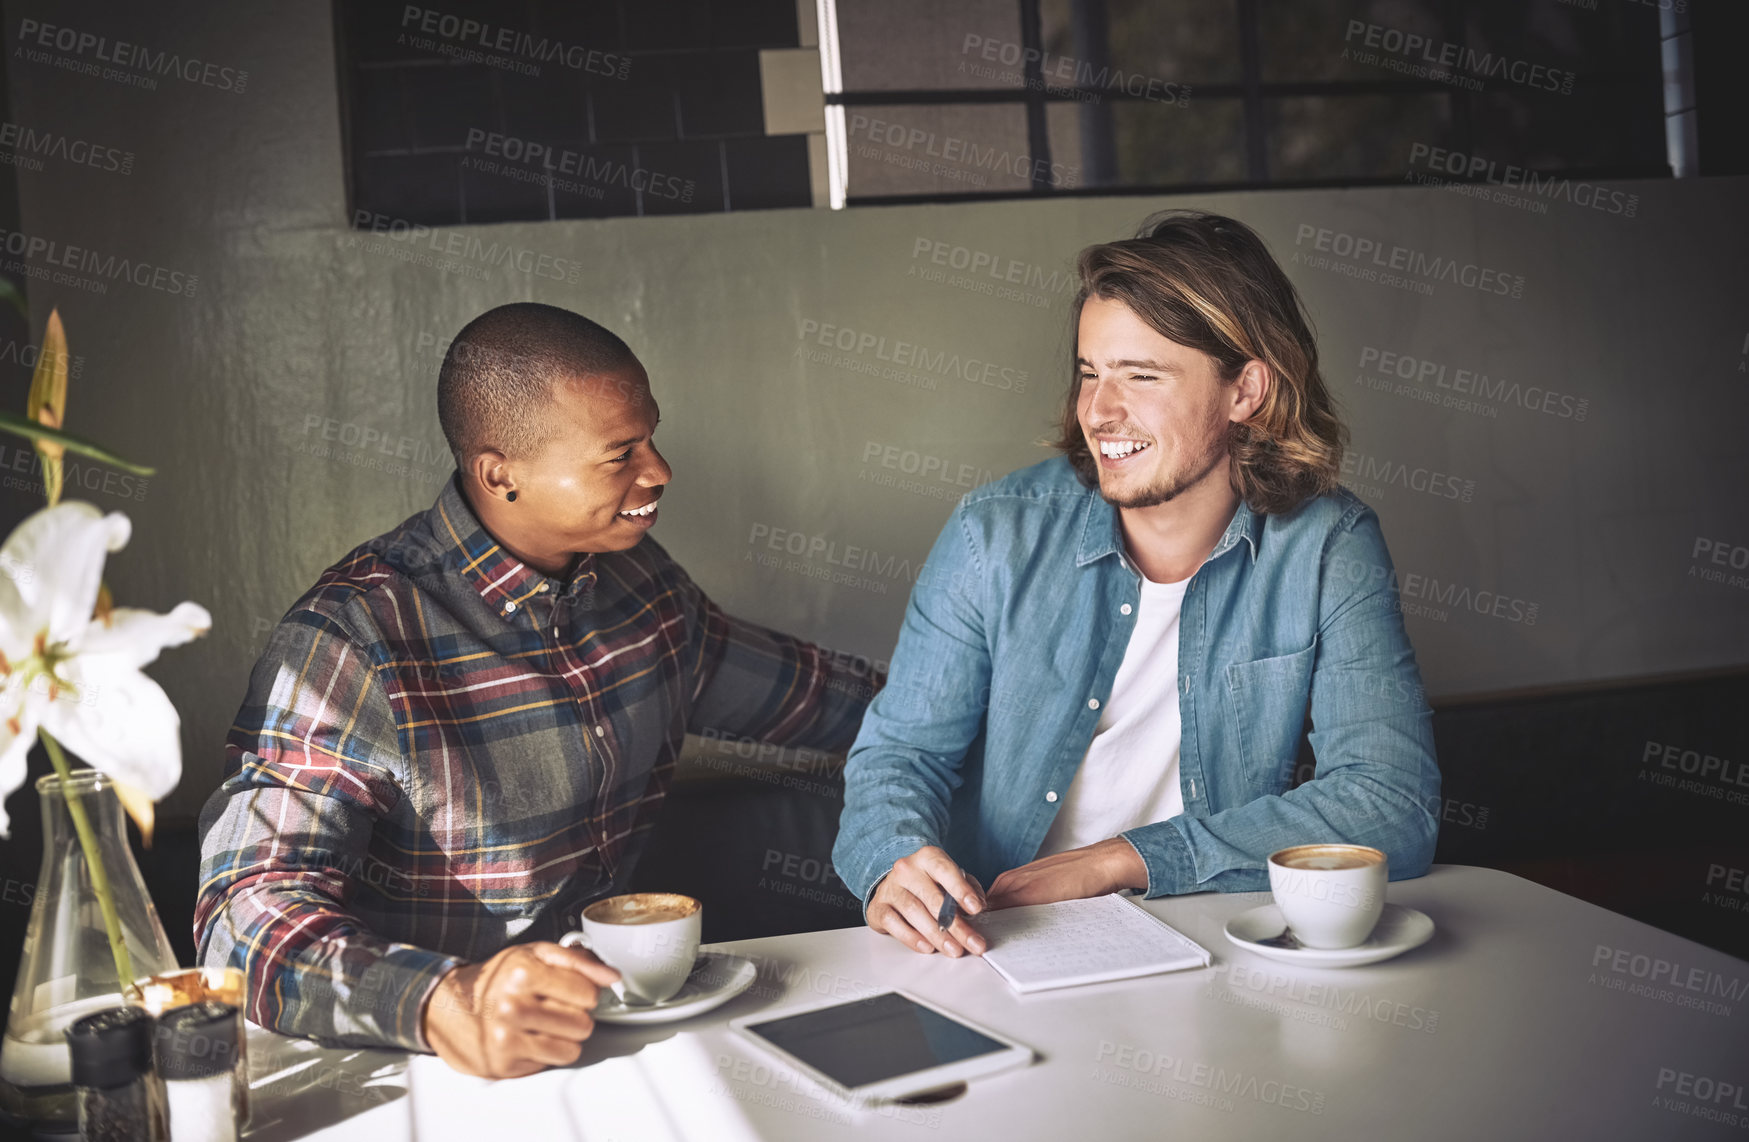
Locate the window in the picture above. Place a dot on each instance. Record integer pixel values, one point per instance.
(465, 111)
(1012, 97)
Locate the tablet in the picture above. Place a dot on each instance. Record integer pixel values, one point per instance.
(886, 1046)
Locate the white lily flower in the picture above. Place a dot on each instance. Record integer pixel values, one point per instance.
(78, 676)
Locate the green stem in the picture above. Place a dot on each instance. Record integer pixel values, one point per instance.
(124, 965)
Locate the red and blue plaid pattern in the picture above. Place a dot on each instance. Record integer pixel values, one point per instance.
(443, 751)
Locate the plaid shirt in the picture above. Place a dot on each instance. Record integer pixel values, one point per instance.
(443, 751)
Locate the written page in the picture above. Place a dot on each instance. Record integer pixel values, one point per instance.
(1042, 946)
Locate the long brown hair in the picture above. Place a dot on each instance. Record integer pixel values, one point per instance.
(1208, 282)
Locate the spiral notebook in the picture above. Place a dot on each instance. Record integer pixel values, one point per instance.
(1043, 946)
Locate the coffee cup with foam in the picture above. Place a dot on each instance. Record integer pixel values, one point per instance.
(1331, 895)
(650, 938)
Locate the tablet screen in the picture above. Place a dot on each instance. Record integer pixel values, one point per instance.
(869, 1040)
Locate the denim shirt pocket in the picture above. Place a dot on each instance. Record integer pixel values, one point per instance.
(1269, 698)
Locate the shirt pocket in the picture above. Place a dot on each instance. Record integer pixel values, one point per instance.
(1268, 697)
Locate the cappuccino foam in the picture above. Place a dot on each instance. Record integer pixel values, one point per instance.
(641, 908)
(1327, 858)
(1326, 862)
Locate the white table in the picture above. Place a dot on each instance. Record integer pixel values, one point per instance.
(1530, 1014)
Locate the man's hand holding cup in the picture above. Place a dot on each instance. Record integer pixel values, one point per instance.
(531, 1006)
(524, 1010)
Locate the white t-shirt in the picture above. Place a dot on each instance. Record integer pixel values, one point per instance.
(1130, 774)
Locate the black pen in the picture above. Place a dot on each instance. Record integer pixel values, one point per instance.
(944, 918)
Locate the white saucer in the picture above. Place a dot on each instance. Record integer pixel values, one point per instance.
(716, 978)
(1399, 929)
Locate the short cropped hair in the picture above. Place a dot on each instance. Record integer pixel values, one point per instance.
(1208, 282)
(496, 383)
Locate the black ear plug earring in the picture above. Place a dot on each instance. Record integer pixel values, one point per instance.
(511, 496)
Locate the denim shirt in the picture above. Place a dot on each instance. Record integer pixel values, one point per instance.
(1011, 641)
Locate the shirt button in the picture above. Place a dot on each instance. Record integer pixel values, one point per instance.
(510, 606)
(544, 586)
(600, 732)
(1125, 609)
(1093, 703)
(1051, 796)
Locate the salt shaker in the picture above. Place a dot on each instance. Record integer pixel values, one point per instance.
(119, 1097)
(197, 1056)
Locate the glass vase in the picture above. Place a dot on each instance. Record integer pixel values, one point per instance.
(68, 969)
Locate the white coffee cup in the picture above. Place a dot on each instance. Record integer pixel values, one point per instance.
(1330, 895)
(650, 938)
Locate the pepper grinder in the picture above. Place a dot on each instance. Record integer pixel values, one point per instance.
(119, 1096)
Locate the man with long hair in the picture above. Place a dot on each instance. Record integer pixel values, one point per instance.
(1107, 664)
